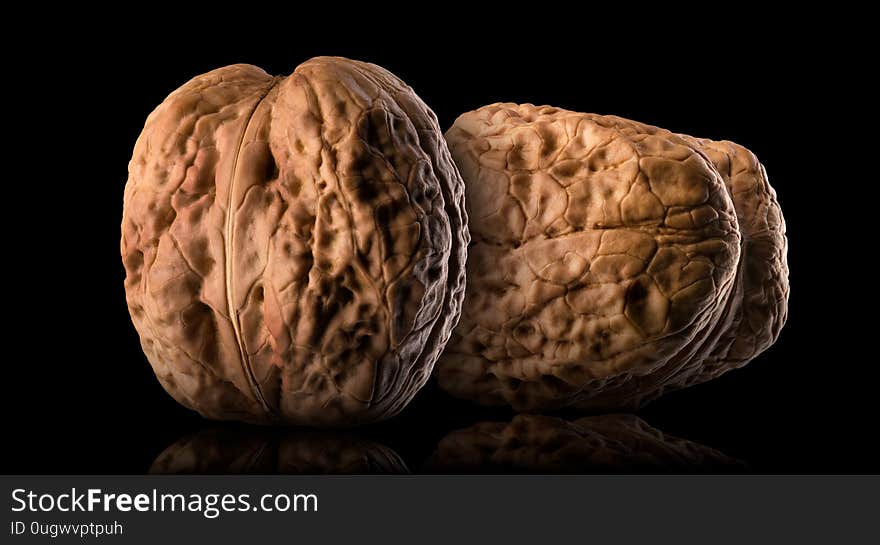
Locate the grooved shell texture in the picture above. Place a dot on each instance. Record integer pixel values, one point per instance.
(611, 260)
(294, 246)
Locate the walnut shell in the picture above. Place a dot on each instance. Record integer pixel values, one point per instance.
(611, 442)
(611, 260)
(249, 450)
(294, 246)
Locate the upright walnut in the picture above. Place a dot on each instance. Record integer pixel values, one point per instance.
(294, 246)
(611, 260)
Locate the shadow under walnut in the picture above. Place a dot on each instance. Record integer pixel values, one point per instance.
(266, 451)
(620, 443)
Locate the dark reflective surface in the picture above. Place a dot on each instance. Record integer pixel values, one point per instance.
(240, 449)
(615, 443)
(82, 398)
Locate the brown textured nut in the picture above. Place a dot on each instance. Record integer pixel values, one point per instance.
(759, 307)
(608, 264)
(532, 443)
(294, 246)
(242, 450)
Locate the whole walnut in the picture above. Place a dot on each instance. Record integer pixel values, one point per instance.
(294, 246)
(593, 444)
(273, 450)
(611, 260)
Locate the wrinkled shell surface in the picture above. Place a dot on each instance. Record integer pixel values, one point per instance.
(532, 443)
(294, 246)
(298, 452)
(611, 261)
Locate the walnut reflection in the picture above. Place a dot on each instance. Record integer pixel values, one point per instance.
(253, 450)
(619, 443)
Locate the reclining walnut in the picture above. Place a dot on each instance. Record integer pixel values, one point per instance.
(611, 261)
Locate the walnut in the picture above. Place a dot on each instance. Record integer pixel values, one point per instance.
(612, 442)
(611, 261)
(249, 450)
(294, 246)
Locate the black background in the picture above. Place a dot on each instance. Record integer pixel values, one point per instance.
(80, 395)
